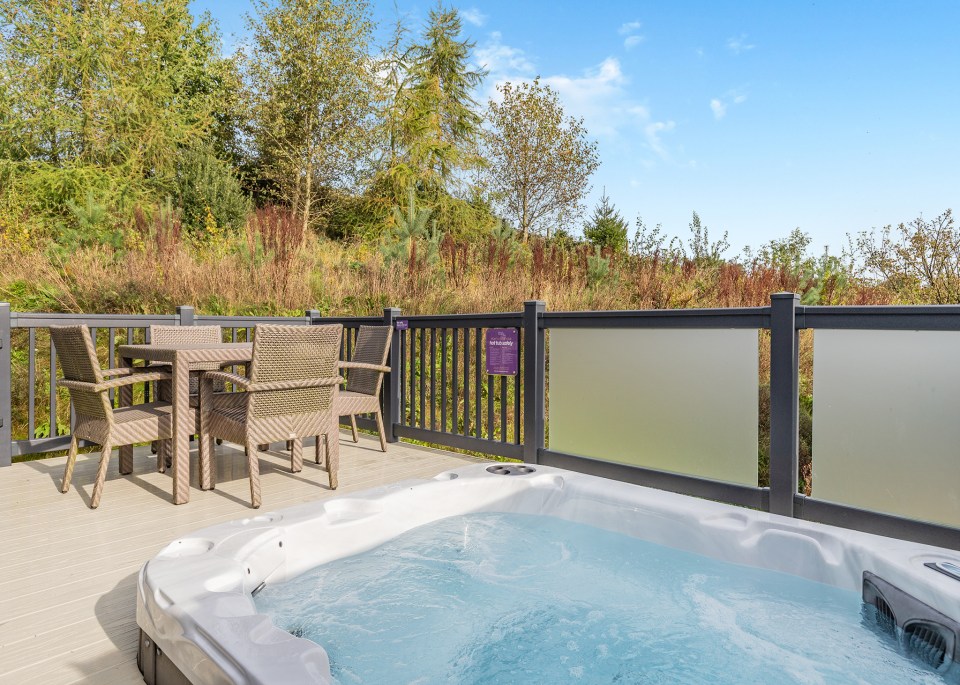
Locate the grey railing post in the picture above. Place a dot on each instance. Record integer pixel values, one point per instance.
(311, 314)
(184, 315)
(534, 381)
(784, 402)
(391, 395)
(6, 434)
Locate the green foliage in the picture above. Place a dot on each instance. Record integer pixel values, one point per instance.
(920, 260)
(606, 228)
(206, 187)
(310, 83)
(701, 249)
(539, 162)
(399, 242)
(431, 121)
(805, 442)
(357, 216)
(652, 243)
(104, 83)
(598, 268)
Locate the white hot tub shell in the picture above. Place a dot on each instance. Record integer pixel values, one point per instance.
(195, 605)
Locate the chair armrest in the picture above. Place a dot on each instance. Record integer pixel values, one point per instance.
(115, 383)
(370, 367)
(291, 385)
(226, 377)
(119, 371)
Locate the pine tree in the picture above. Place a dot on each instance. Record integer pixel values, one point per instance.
(606, 228)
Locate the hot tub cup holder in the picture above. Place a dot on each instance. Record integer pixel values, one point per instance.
(511, 469)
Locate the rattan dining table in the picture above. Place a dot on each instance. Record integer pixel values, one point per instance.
(181, 357)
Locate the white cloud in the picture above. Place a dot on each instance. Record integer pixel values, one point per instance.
(653, 131)
(629, 27)
(738, 45)
(474, 16)
(600, 95)
(632, 41)
(502, 61)
(718, 108)
(720, 105)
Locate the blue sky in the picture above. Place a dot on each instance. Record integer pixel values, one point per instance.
(762, 116)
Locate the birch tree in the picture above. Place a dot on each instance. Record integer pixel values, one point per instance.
(310, 82)
(539, 161)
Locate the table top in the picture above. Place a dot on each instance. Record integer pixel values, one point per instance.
(189, 352)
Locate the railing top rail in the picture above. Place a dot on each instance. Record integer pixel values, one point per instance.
(505, 319)
(243, 320)
(939, 317)
(734, 317)
(46, 319)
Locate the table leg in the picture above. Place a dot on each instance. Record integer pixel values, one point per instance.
(126, 399)
(183, 422)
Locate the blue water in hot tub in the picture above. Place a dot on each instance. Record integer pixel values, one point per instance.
(508, 598)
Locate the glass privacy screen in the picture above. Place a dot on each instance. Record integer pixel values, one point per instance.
(674, 400)
(886, 421)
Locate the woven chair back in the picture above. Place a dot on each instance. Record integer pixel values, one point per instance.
(186, 335)
(287, 353)
(78, 359)
(372, 347)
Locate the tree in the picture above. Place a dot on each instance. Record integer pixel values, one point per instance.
(431, 120)
(311, 80)
(107, 83)
(920, 260)
(539, 163)
(701, 249)
(606, 228)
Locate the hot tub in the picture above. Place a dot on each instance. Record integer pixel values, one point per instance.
(199, 621)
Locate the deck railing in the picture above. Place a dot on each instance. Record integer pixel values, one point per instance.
(440, 392)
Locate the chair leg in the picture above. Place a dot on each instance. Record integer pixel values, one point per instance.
(353, 427)
(163, 453)
(296, 455)
(253, 465)
(333, 451)
(383, 435)
(71, 461)
(101, 474)
(316, 450)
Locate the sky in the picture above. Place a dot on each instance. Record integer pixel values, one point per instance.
(762, 116)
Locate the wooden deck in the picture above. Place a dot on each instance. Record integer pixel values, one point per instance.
(68, 573)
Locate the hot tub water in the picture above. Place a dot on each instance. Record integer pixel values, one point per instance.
(508, 598)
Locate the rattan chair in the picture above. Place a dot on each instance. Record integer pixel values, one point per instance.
(289, 395)
(186, 335)
(364, 378)
(95, 418)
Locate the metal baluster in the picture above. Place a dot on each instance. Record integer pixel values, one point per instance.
(423, 378)
(402, 362)
(478, 394)
(443, 380)
(456, 382)
(433, 374)
(413, 377)
(503, 408)
(53, 389)
(31, 379)
(466, 381)
(516, 402)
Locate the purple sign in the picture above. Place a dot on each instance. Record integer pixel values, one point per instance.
(402, 324)
(503, 351)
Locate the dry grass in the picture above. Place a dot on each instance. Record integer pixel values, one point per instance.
(274, 269)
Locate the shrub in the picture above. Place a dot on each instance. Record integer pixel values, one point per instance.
(206, 187)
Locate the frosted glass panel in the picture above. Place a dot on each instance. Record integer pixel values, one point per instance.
(675, 400)
(886, 421)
